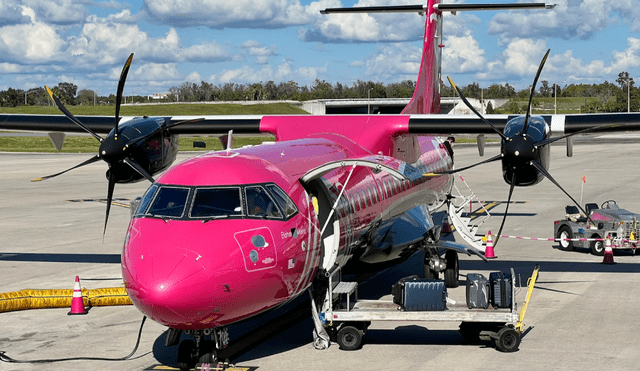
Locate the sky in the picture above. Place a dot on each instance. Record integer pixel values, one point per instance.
(86, 42)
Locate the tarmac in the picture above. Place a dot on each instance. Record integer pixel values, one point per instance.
(583, 315)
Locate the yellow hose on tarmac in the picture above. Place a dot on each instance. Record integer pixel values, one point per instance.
(38, 299)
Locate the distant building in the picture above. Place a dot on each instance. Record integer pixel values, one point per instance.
(158, 96)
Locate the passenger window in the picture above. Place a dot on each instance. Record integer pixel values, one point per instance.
(283, 200)
(260, 204)
(170, 202)
(216, 202)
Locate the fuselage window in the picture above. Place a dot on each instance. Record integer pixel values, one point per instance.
(260, 204)
(169, 202)
(281, 198)
(216, 202)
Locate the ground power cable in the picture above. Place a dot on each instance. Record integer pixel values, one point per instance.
(7, 359)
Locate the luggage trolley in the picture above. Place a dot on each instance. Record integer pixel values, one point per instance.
(347, 325)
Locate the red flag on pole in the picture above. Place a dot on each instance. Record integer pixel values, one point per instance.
(584, 179)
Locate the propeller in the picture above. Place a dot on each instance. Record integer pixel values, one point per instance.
(520, 152)
(115, 149)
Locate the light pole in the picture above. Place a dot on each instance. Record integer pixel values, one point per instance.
(369, 101)
(628, 96)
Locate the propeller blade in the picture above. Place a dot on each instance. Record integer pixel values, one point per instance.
(548, 176)
(136, 166)
(89, 161)
(123, 78)
(492, 159)
(468, 104)
(506, 210)
(112, 183)
(533, 91)
(69, 115)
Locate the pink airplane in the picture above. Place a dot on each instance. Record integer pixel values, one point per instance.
(232, 234)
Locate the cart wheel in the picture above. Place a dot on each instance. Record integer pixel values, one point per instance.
(349, 338)
(597, 247)
(452, 271)
(508, 340)
(564, 233)
(185, 361)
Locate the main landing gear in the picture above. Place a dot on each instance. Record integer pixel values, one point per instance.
(203, 349)
(434, 264)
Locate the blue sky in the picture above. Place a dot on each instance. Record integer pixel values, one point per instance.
(86, 42)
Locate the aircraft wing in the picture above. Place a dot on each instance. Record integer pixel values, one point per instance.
(559, 124)
(212, 124)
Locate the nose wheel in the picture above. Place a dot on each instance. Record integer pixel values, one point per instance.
(201, 351)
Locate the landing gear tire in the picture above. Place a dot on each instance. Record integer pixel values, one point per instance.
(429, 273)
(564, 234)
(208, 353)
(349, 338)
(452, 271)
(597, 247)
(185, 349)
(508, 340)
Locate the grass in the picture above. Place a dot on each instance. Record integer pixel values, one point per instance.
(88, 144)
(163, 110)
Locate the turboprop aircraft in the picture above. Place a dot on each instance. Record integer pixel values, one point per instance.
(228, 235)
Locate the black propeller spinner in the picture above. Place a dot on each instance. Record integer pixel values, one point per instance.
(524, 150)
(116, 149)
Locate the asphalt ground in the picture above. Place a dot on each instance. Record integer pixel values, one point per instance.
(583, 315)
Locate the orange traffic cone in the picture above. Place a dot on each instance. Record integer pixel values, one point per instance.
(77, 305)
(608, 252)
(488, 252)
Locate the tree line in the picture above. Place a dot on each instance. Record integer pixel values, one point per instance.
(610, 97)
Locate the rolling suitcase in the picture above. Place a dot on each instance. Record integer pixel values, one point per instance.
(500, 289)
(477, 291)
(413, 294)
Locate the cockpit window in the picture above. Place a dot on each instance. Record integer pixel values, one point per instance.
(216, 202)
(169, 202)
(206, 203)
(260, 204)
(146, 199)
(282, 200)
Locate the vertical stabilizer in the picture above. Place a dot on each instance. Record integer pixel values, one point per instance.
(426, 97)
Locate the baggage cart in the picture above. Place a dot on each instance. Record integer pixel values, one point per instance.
(347, 325)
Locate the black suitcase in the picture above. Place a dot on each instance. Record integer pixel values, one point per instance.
(500, 289)
(413, 294)
(477, 291)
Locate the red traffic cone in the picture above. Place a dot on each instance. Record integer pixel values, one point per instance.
(446, 227)
(488, 252)
(608, 252)
(77, 305)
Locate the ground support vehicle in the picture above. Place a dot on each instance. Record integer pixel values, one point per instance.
(346, 323)
(608, 221)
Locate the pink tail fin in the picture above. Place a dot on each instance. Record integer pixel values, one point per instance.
(426, 97)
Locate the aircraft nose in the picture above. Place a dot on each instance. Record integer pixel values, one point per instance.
(169, 287)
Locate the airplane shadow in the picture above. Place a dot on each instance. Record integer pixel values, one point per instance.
(61, 258)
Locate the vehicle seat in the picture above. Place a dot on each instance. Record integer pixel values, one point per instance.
(572, 212)
(590, 206)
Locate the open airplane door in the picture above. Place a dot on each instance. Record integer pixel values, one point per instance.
(329, 197)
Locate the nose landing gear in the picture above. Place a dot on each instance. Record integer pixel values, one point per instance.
(200, 350)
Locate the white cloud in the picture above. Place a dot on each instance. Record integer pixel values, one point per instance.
(283, 72)
(194, 77)
(34, 42)
(234, 14)
(259, 51)
(570, 19)
(463, 54)
(391, 61)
